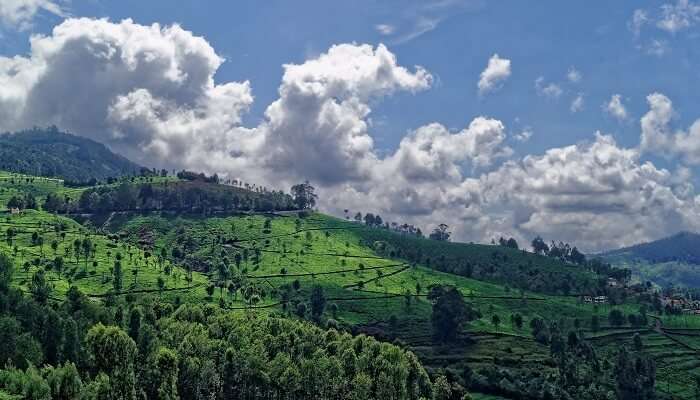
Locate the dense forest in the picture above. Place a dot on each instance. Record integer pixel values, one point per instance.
(184, 196)
(51, 153)
(144, 348)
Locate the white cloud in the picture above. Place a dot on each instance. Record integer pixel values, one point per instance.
(550, 90)
(577, 104)
(385, 29)
(615, 108)
(596, 195)
(671, 18)
(524, 135)
(323, 108)
(149, 92)
(658, 47)
(19, 14)
(639, 19)
(659, 137)
(574, 75)
(495, 74)
(679, 16)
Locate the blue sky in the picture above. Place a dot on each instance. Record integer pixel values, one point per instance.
(543, 38)
(557, 52)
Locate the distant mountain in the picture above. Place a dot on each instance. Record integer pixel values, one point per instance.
(681, 247)
(674, 260)
(49, 152)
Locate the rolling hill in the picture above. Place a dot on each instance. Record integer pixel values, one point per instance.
(51, 153)
(674, 260)
(260, 264)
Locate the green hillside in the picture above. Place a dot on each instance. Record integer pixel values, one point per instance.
(278, 264)
(671, 261)
(50, 153)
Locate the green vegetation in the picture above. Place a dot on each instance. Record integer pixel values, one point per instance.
(50, 153)
(671, 261)
(202, 281)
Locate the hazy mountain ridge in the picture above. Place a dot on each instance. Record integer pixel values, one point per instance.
(683, 246)
(49, 152)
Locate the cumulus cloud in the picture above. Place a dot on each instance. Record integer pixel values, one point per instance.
(577, 103)
(597, 194)
(323, 108)
(19, 14)
(496, 72)
(659, 137)
(149, 92)
(550, 90)
(573, 75)
(615, 108)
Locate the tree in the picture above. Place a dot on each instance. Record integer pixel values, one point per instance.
(358, 217)
(304, 196)
(166, 367)
(635, 377)
(58, 265)
(616, 317)
(577, 257)
(442, 390)
(15, 202)
(65, 382)
(113, 352)
(441, 233)
(496, 320)
(595, 323)
(517, 320)
(539, 246)
(301, 310)
(135, 323)
(637, 341)
(449, 312)
(7, 268)
(118, 276)
(318, 301)
(39, 287)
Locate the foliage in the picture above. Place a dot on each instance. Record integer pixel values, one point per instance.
(48, 152)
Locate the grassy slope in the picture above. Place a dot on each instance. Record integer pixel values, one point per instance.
(330, 245)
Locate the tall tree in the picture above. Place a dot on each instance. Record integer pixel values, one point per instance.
(450, 311)
(304, 195)
(114, 353)
(318, 302)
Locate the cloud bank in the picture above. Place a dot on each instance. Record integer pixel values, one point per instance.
(149, 92)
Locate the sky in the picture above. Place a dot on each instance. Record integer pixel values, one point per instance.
(499, 118)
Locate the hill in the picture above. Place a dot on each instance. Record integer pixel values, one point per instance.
(681, 247)
(50, 153)
(205, 279)
(674, 260)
